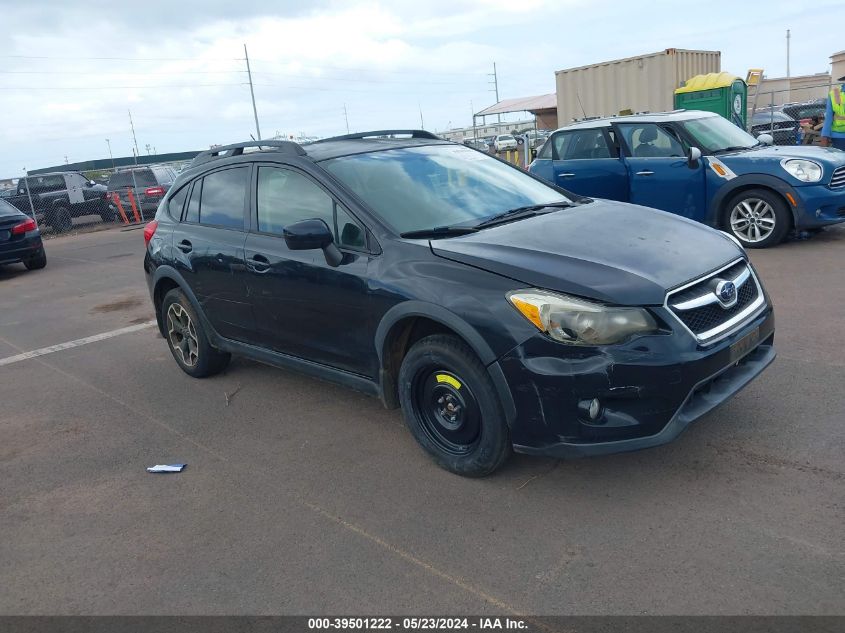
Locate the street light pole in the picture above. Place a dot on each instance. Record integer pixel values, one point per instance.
(108, 142)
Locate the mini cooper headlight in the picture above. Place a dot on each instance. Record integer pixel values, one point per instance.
(804, 170)
(578, 322)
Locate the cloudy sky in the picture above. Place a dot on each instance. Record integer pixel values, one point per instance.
(71, 71)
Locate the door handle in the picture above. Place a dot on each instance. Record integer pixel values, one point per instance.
(258, 264)
(645, 172)
(185, 246)
(567, 174)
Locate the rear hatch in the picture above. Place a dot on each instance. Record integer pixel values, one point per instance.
(144, 186)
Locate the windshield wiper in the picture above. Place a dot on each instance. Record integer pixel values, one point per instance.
(733, 148)
(519, 213)
(439, 231)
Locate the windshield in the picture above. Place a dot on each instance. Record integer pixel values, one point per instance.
(713, 134)
(419, 188)
(505, 137)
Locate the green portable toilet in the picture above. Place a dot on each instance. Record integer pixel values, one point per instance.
(722, 93)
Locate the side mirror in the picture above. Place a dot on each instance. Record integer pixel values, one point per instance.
(309, 235)
(693, 157)
(766, 139)
(91, 183)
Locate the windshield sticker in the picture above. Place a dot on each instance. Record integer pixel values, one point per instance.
(722, 170)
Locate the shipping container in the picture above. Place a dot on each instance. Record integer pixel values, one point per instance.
(645, 83)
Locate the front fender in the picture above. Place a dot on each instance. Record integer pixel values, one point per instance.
(747, 181)
(463, 329)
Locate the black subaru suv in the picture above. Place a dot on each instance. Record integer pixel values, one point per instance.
(499, 312)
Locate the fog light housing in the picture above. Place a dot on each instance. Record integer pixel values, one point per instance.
(590, 409)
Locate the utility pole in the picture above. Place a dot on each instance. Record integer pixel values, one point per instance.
(252, 94)
(346, 117)
(108, 142)
(787, 56)
(132, 125)
(28, 194)
(495, 83)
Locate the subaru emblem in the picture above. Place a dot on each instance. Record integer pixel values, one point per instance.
(726, 293)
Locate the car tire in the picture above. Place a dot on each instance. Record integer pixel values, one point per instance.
(60, 220)
(758, 218)
(187, 339)
(451, 407)
(108, 215)
(37, 261)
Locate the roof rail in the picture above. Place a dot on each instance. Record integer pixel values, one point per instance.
(236, 149)
(377, 133)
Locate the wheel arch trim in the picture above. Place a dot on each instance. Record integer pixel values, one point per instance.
(439, 314)
(776, 185)
(165, 272)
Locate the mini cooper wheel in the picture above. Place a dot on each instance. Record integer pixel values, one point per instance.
(186, 338)
(757, 218)
(451, 407)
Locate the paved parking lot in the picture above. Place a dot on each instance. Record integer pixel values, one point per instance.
(301, 497)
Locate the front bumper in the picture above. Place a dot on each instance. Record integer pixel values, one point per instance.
(650, 389)
(819, 206)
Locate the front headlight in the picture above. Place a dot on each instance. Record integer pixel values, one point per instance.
(804, 170)
(578, 322)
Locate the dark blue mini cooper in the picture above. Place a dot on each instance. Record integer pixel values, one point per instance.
(703, 167)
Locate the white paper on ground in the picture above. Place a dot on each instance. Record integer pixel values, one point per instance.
(166, 468)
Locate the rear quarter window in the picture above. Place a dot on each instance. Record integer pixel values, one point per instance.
(177, 203)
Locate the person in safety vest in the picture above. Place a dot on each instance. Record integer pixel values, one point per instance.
(833, 132)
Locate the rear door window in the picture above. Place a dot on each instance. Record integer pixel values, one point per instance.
(223, 198)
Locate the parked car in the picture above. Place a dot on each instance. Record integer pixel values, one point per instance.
(503, 142)
(148, 186)
(59, 197)
(783, 129)
(496, 310)
(20, 239)
(804, 112)
(700, 166)
(476, 144)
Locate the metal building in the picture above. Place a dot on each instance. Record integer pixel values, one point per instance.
(645, 83)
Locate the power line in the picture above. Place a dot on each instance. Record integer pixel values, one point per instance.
(75, 88)
(102, 74)
(125, 59)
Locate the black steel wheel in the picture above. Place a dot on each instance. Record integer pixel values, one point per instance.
(447, 409)
(451, 406)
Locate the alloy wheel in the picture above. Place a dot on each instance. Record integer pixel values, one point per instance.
(182, 334)
(753, 220)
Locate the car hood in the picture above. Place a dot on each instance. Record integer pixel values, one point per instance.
(827, 155)
(608, 251)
